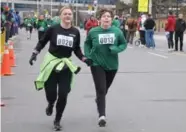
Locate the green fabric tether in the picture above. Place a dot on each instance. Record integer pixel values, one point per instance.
(50, 62)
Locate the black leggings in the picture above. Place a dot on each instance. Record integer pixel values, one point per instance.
(102, 80)
(40, 34)
(142, 37)
(170, 40)
(62, 80)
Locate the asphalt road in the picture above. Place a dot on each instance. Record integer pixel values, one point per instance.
(147, 95)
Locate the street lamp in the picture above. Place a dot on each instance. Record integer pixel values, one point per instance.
(51, 8)
(177, 6)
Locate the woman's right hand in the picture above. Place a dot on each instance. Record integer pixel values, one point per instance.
(87, 61)
(33, 58)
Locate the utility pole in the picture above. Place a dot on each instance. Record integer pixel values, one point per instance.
(7, 2)
(13, 4)
(150, 6)
(51, 4)
(37, 7)
(76, 13)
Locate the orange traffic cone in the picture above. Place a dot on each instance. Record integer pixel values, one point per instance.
(5, 65)
(11, 54)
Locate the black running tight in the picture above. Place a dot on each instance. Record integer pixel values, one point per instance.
(102, 80)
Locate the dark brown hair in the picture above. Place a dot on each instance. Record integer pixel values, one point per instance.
(104, 10)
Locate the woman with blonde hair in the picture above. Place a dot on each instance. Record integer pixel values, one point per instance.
(57, 69)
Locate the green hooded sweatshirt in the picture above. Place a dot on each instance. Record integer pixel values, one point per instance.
(103, 46)
(28, 22)
(49, 22)
(116, 23)
(42, 25)
(48, 65)
(56, 20)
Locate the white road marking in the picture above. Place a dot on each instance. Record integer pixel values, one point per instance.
(162, 50)
(159, 55)
(129, 47)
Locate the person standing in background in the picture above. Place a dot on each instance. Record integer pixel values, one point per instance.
(142, 30)
(179, 32)
(92, 22)
(170, 27)
(132, 26)
(149, 32)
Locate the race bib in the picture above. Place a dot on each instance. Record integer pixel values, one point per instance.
(29, 24)
(106, 38)
(66, 41)
(41, 29)
(49, 25)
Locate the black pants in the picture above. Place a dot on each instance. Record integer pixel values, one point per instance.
(170, 40)
(179, 35)
(142, 37)
(102, 80)
(30, 29)
(62, 80)
(40, 34)
(130, 36)
(7, 33)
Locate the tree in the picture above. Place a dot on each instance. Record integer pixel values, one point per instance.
(135, 8)
(121, 7)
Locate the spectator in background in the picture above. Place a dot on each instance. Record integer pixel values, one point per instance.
(2, 20)
(92, 22)
(84, 24)
(8, 22)
(18, 21)
(116, 22)
(179, 32)
(170, 28)
(149, 31)
(122, 26)
(142, 30)
(132, 26)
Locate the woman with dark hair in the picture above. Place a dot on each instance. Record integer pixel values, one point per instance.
(102, 46)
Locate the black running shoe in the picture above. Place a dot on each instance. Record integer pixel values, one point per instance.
(49, 110)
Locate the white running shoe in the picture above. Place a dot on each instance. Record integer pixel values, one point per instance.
(102, 121)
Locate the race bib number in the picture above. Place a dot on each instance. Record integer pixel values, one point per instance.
(49, 25)
(66, 41)
(106, 38)
(29, 24)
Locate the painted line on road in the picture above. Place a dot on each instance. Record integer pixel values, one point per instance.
(179, 53)
(130, 47)
(162, 50)
(159, 55)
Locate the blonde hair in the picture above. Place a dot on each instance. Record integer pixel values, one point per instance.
(65, 7)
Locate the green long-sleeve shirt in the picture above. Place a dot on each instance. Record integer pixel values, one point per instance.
(103, 46)
(28, 22)
(42, 25)
(116, 23)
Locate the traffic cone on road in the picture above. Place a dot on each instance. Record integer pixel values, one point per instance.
(5, 65)
(11, 54)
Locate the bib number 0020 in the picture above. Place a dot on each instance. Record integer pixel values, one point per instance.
(66, 41)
